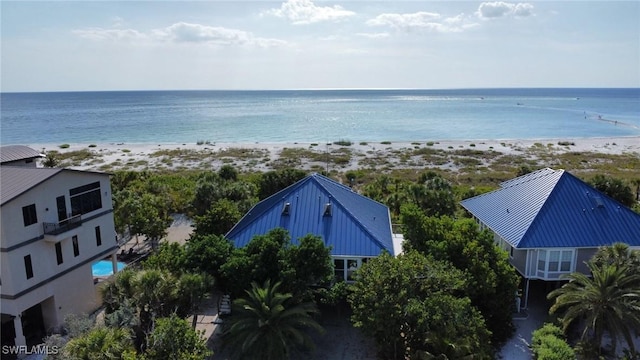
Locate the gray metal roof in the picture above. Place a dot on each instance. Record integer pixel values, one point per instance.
(9, 153)
(552, 208)
(15, 180)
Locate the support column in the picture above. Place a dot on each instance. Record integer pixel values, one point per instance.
(526, 295)
(114, 263)
(17, 325)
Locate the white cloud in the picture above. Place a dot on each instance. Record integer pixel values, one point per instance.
(497, 9)
(183, 33)
(374, 35)
(302, 12)
(422, 20)
(110, 34)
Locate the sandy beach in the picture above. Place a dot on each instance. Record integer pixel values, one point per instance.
(320, 156)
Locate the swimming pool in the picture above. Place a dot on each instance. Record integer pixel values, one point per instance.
(104, 268)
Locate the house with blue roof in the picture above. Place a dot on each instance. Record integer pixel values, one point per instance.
(355, 227)
(550, 222)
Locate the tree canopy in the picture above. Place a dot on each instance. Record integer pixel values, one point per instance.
(413, 305)
(492, 280)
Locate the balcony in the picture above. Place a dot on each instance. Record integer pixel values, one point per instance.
(56, 232)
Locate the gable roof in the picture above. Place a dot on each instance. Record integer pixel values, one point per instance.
(355, 225)
(552, 208)
(9, 153)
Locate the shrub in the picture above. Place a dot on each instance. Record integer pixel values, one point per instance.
(363, 143)
(64, 146)
(566, 143)
(385, 142)
(548, 344)
(92, 145)
(343, 142)
(430, 143)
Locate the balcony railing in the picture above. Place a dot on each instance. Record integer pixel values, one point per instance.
(62, 226)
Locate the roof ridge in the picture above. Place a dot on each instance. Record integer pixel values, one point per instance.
(266, 208)
(357, 219)
(537, 174)
(544, 206)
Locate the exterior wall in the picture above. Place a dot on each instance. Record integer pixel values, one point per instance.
(59, 288)
(519, 260)
(31, 162)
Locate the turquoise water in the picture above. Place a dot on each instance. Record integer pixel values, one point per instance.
(105, 268)
(317, 116)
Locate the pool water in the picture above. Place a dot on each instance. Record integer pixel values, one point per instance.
(104, 268)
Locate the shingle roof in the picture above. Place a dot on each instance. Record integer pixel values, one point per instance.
(357, 226)
(552, 208)
(15, 180)
(9, 153)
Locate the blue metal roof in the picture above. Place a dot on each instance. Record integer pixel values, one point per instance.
(356, 225)
(552, 208)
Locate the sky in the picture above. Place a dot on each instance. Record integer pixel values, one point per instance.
(311, 44)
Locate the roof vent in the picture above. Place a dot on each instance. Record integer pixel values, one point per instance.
(598, 201)
(286, 208)
(327, 210)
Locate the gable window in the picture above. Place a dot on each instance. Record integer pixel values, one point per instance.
(59, 253)
(28, 267)
(76, 248)
(29, 215)
(85, 199)
(98, 236)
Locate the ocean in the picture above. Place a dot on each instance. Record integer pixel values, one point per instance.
(316, 115)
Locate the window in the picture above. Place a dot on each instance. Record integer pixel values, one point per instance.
(346, 268)
(565, 263)
(338, 265)
(542, 259)
(98, 236)
(554, 261)
(29, 215)
(86, 198)
(28, 267)
(59, 253)
(76, 249)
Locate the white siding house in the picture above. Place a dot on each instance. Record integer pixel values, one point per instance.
(55, 223)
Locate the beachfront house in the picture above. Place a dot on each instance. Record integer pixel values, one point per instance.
(354, 226)
(550, 222)
(55, 223)
(19, 155)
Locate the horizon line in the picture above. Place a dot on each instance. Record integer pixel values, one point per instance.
(317, 89)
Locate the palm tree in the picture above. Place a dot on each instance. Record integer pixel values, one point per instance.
(268, 325)
(608, 303)
(618, 254)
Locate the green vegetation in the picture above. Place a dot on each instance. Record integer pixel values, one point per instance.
(343, 142)
(411, 306)
(608, 302)
(460, 243)
(548, 343)
(64, 146)
(248, 337)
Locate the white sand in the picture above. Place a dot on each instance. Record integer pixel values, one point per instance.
(266, 156)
